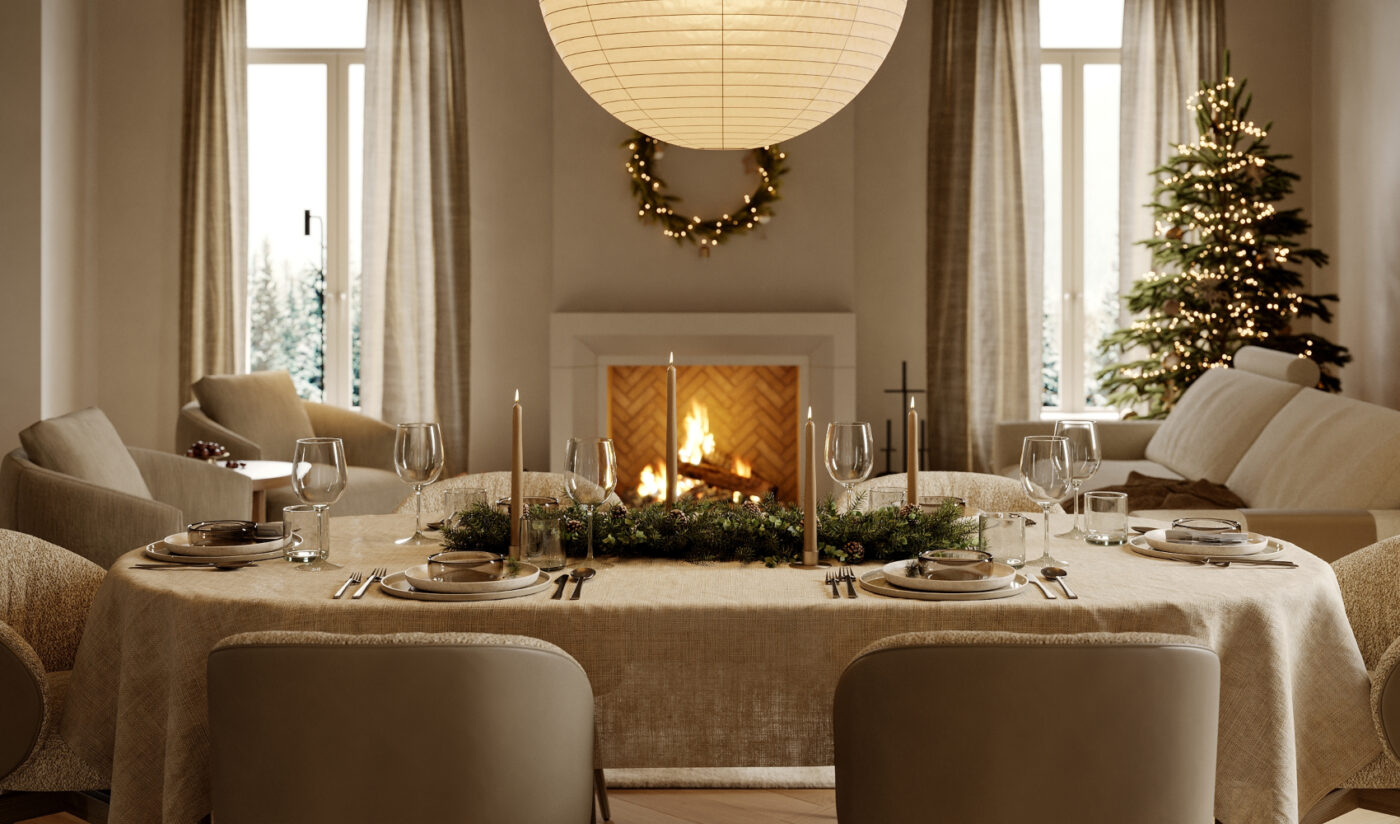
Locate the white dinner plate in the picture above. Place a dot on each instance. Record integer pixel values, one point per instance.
(1157, 539)
(874, 581)
(398, 586)
(179, 544)
(158, 551)
(977, 577)
(494, 576)
(1139, 545)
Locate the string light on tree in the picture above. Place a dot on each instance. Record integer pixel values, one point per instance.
(1224, 255)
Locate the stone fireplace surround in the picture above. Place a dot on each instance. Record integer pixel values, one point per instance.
(822, 345)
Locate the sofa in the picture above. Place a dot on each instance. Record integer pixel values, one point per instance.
(1314, 468)
(258, 416)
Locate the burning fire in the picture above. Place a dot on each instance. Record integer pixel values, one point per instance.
(695, 442)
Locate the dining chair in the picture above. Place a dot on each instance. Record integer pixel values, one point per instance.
(74, 483)
(1005, 728)
(989, 493)
(45, 593)
(318, 727)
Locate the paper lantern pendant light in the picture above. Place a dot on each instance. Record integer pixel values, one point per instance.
(722, 74)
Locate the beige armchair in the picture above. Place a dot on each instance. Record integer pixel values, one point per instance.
(258, 416)
(76, 484)
(933, 726)
(43, 607)
(405, 727)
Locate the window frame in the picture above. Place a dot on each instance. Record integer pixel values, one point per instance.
(1072, 341)
(338, 344)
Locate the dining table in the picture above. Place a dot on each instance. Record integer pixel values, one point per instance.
(724, 664)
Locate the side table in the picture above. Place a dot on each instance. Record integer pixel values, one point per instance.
(265, 475)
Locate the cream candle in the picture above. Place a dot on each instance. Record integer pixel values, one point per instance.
(809, 493)
(517, 473)
(911, 457)
(673, 464)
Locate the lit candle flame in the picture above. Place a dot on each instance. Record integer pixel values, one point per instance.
(809, 413)
(672, 361)
(911, 403)
(517, 396)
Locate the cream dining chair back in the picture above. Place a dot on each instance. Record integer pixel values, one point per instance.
(318, 727)
(497, 486)
(988, 493)
(1006, 728)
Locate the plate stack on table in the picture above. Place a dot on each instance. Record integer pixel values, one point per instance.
(1189, 545)
(980, 581)
(180, 549)
(466, 576)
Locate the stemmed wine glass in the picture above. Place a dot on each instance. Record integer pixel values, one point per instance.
(319, 476)
(418, 459)
(1045, 476)
(591, 464)
(1084, 459)
(850, 455)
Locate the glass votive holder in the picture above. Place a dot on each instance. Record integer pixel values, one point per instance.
(457, 501)
(1106, 517)
(931, 504)
(529, 503)
(542, 543)
(1004, 536)
(307, 536)
(883, 498)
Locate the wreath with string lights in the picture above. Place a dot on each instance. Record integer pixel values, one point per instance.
(655, 205)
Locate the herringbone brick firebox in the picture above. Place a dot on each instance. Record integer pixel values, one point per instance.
(751, 411)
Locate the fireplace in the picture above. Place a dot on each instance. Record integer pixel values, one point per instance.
(737, 430)
(814, 353)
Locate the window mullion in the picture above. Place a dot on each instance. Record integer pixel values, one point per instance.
(1072, 279)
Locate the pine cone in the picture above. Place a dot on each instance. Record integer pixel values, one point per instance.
(573, 525)
(855, 552)
(618, 512)
(751, 506)
(678, 518)
(908, 509)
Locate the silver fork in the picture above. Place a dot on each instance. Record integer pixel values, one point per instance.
(376, 574)
(848, 574)
(831, 580)
(353, 579)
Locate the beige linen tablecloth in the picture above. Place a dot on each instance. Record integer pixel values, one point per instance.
(725, 664)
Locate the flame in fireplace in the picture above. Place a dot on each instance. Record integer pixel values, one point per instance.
(696, 441)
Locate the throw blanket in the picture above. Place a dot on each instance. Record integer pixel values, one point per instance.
(1147, 492)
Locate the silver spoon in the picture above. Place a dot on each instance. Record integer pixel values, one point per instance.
(1057, 574)
(222, 566)
(580, 575)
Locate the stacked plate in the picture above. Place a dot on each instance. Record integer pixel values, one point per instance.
(178, 549)
(981, 581)
(489, 580)
(1156, 544)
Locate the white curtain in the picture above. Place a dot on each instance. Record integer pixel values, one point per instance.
(985, 234)
(417, 262)
(1169, 48)
(213, 192)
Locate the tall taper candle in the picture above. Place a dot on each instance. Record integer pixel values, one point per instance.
(673, 462)
(911, 457)
(809, 494)
(517, 474)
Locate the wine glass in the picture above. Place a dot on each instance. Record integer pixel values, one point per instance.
(418, 459)
(591, 464)
(319, 476)
(1045, 476)
(850, 455)
(1084, 459)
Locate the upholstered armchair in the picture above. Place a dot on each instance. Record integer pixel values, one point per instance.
(259, 416)
(44, 599)
(76, 484)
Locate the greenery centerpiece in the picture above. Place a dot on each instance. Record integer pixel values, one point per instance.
(711, 530)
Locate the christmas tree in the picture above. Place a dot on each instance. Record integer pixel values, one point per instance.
(1225, 264)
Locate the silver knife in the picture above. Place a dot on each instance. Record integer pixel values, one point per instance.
(1047, 593)
(563, 581)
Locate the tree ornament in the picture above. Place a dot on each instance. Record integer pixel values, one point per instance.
(1171, 308)
(1175, 233)
(654, 205)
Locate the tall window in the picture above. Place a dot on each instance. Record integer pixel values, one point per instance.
(305, 132)
(1079, 74)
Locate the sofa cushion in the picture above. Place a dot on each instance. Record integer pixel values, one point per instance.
(1322, 451)
(1216, 420)
(261, 406)
(1283, 366)
(86, 446)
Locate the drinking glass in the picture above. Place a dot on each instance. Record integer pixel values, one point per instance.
(1004, 535)
(1083, 463)
(304, 527)
(457, 501)
(319, 476)
(850, 455)
(541, 542)
(1045, 477)
(883, 498)
(1107, 517)
(591, 464)
(418, 459)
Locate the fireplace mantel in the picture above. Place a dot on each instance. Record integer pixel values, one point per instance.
(583, 345)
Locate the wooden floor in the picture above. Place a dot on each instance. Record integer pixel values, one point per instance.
(741, 807)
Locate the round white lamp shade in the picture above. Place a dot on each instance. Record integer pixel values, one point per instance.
(722, 74)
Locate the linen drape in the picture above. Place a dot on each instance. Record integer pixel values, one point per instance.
(1169, 48)
(985, 225)
(213, 191)
(417, 267)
